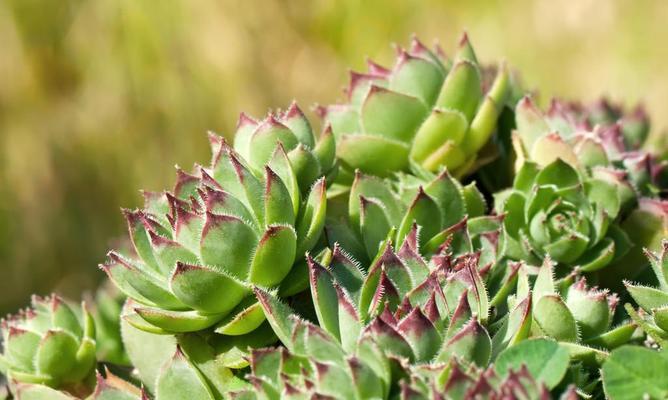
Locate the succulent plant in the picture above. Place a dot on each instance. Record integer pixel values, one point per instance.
(426, 110)
(389, 336)
(363, 216)
(601, 140)
(555, 211)
(280, 374)
(395, 282)
(226, 228)
(311, 159)
(349, 302)
(49, 344)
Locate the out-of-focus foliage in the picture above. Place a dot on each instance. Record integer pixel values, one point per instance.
(99, 97)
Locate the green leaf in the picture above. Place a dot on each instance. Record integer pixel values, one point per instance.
(614, 338)
(282, 166)
(142, 286)
(325, 149)
(265, 139)
(605, 194)
(476, 206)
(177, 321)
(440, 126)
(558, 173)
(278, 315)
(471, 343)
(590, 309)
(277, 201)
(40, 392)
(245, 128)
(180, 380)
(391, 115)
(312, 219)
(447, 193)
(531, 124)
(545, 359)
(462, 89)
(661, 317)
(20, 348)
(598, 256)
(516, 328)
(228, 243)
(483, 124)
(325, 299)
(200, 288)
(417, 77)
(373, 154)
(422, 211)
(372, 187)
(140, 238)
(421, 335)
(647, 297)
(633, 372)
(274, 255)
(295, 119)
(245, 318)
(374, 224)
(56, 354)
(552, 147)
(555, 319)
(305, 164)
(343, 119)
(147, 351)
(114, 388)
(526, 177)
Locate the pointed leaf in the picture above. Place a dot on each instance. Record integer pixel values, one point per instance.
(274, 255)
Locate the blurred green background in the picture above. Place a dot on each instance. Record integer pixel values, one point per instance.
(99, 98)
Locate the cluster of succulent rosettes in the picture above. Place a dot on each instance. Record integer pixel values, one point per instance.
(403, 301)
(373, 209)
(559, 212)
(601, 140)
(311, 158)
(410, 328)
(50, 344)
(427, 110)
(421, 310)
(279, 374)
(653, 301)
(200, 248)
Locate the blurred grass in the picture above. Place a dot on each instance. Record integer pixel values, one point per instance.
(99, 98)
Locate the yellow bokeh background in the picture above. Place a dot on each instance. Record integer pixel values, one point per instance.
(99, 98)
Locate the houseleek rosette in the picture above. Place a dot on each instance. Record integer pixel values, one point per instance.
(601, 140)
(310, 158)
(372, 208)
(426, 110)
(554, 211)
(201, 248)
(605, 143)
(50, 344)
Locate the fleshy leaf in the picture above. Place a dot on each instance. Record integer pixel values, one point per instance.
(546, 360)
